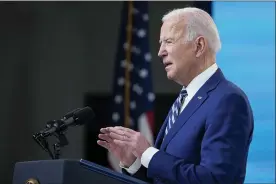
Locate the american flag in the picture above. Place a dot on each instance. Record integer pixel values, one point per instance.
(133, 97)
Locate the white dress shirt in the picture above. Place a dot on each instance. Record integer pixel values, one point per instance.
(192, 88)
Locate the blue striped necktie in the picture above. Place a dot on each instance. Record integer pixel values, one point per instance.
(175, 109)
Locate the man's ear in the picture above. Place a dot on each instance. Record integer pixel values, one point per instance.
(200, 46)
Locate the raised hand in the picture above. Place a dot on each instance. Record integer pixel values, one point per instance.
(121, 151)
(125, 137)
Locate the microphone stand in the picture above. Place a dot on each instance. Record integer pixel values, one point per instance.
(42, 141)
(61, 142)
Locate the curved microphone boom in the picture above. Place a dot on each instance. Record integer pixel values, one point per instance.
(73, 118)
(57, 128)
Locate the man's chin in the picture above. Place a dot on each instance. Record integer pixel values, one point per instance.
(170, 76)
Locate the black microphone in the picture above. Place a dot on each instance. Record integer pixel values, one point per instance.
(76, 117)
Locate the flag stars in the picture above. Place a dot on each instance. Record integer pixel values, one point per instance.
(124, 64)
(148, 57)
(115, 116)
(143, 73)
(130, 67)
(133, 74)
(141, 33)
(118, 99)
(151, 96)
(135, 11)
(136, 88)
(145, 17)
(135, 50)
(132, 105)
(121, 81)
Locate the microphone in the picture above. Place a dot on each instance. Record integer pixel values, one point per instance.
(76, 117)
(57, 128)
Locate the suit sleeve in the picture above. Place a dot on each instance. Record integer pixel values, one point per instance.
(223, 152)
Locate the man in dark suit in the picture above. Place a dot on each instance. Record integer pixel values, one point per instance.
(207, 133)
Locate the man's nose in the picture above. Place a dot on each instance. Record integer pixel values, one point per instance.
(162, 51)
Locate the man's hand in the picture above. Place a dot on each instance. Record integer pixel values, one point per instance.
(122, 152)
(135, 141)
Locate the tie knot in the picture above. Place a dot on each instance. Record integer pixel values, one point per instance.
(182, 95)
(183, 92)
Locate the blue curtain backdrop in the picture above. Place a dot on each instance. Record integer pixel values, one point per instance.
(247, 31)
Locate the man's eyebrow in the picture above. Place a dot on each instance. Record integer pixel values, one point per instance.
(165, 39)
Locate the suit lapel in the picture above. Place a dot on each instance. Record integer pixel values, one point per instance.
(161, 134)
(192, 106)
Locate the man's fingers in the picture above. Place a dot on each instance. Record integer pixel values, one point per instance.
(105, 137)
(126, 130)
(115, 136)
(122, 131)
(130, 131)
(119, 127)
(115, 130)
(103, 144)
(122, 143)
(119, 132)
(104, 130)
(128, 134)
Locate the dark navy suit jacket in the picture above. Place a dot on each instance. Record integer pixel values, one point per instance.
(209, 141)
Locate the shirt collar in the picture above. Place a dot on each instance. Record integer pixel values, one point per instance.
(199, 80)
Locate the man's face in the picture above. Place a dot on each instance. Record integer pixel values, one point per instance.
(177, 56)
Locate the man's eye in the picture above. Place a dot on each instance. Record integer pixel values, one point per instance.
(168, 41)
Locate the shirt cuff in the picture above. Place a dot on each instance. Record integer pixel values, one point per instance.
(147, 156)
(133, 168)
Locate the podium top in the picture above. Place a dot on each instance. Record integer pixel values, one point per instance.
(108, 172)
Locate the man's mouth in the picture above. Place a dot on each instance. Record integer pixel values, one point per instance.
(167, 64)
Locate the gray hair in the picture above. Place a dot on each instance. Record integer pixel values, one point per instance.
(198, 23)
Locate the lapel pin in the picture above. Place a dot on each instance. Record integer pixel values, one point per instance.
(199, 97)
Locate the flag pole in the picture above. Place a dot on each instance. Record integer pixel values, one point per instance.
(128, 62)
